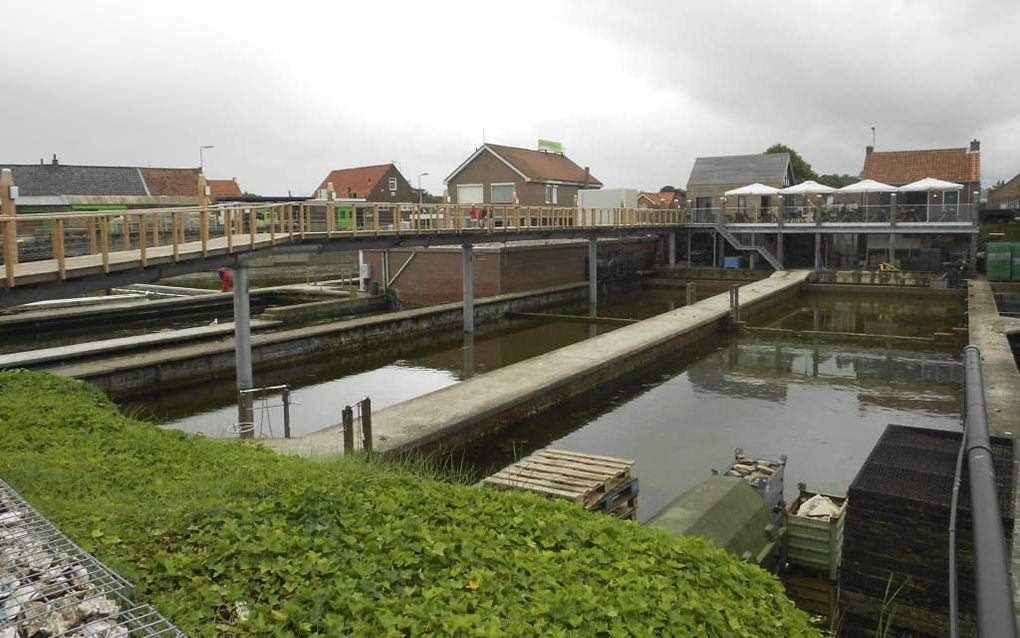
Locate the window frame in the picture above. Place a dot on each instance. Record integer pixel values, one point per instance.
(554, 189)
(481, 188)
(513, 192)
(393, 185)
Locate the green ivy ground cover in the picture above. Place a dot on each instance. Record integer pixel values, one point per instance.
(231, 539)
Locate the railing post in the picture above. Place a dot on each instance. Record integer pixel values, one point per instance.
(125, 235)
(286, 412)
(347, 418)
(104, 242)
(175, 232)
(91, 225)
(203, 231)
(58, 247)
(142, 241)
(8, 210)
(366, 424)
(252, 223)
(228, 228)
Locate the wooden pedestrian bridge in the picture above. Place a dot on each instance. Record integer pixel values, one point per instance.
(54, 255)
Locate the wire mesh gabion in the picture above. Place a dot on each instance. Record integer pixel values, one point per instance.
(51, 587)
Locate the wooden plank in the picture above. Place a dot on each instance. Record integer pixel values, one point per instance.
(604, 473)
(10, 249)
(568, 470)
(494, 481)
(252, 223)
(608, 465)
(204, 232)
(594, 457)
(571, 482)
(125, 232)
(228, 228)
(92, 234)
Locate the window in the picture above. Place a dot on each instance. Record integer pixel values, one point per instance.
(502, 194)
(470, 194)
(552, 194)
(393, 183)
(742, 204)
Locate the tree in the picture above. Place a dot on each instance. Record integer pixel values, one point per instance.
(801, 169)
(835, 180)
(996, 186)
(667, 189)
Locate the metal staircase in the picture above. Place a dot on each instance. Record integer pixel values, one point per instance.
(758, 242)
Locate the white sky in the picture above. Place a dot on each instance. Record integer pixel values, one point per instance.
(287, 91)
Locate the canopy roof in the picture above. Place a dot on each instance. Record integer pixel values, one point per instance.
(753, 189)
(929, 184)
(810, 187)
(868, 186)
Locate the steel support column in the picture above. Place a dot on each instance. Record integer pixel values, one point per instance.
(593, 277)
(818, 252)
(242, 345)
(468, 258)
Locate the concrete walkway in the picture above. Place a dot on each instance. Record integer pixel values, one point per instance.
(90, 349)
(496, 399)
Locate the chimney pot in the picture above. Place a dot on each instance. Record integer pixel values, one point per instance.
(55, 159)
(975, 146)
(869, 149)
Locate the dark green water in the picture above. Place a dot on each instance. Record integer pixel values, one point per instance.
(823, 405)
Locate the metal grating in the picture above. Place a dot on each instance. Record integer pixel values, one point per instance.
(49, 586)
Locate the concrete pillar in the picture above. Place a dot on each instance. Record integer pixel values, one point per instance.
(779, 247)
(818, 252)
(892, 248)
(715, 262)
(752, 259)
(242, 345)
(689, 233)
(361, 270)
(671, 238)
(593, 277)
(469, 355)
(468, 258)
(972, 258)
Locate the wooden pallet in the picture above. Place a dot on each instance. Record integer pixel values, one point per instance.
(598, 483)
(813, 591)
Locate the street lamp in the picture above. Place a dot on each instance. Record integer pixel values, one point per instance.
(201, 162)
(420, 194)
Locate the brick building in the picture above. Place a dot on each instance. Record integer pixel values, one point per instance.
(960, 165)
(496, 174)
(381, 183)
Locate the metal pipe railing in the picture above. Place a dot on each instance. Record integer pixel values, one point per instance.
(993, 585)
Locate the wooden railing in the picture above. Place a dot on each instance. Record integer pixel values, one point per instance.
(91, 239)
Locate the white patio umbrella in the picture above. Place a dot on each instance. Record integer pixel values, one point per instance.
(866, 186)
(809, 187)
(753, 189)
(931, 185)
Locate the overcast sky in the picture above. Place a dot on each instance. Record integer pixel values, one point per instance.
(286, 91)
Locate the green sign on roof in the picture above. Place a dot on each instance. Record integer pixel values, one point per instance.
(549, 145)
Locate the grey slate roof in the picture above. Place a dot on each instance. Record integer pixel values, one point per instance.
(64, 179)
(767, 168)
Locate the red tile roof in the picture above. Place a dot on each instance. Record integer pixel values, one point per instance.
(903, 167)
(539, 165)
(224, 188)
(359, 181)
(176, 182)
(662, 199)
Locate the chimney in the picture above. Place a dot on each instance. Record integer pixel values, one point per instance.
(869, 149)
(587, 174)
(55, 159)
(975, 146)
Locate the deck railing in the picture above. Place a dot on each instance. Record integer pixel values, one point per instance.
(99, 238)
(853, 213)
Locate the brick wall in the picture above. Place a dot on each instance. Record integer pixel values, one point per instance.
(435, 274)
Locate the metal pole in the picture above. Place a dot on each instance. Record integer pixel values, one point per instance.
(286, 412)
(818, 252)
(242, 346)
(593, 276)
(993, 589)
(366, 423)
(347, 418)
(468, 257)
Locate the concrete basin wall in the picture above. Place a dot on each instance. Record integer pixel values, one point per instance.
(152, 371)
